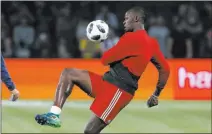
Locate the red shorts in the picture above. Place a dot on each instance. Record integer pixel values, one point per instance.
(109, 99)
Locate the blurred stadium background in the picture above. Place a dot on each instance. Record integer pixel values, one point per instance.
(38, 37)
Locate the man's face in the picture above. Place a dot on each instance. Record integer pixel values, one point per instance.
(128, 22)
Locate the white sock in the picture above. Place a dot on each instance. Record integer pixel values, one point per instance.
(55, 110)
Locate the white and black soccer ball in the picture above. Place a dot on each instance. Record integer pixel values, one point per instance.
(97, 31)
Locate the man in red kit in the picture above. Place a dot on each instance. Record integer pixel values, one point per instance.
(116, 88)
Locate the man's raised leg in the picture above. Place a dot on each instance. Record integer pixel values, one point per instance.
(68, 79)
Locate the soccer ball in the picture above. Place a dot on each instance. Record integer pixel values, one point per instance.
(97, 31)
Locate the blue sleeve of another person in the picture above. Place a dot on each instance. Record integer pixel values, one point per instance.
(5, 76)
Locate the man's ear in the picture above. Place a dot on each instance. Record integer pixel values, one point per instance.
(136, 18)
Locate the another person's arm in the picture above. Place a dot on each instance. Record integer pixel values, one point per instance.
(5, 77)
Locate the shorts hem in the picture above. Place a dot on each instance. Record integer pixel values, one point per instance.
(99, 117)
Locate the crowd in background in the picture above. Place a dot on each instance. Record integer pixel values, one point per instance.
(43, 29)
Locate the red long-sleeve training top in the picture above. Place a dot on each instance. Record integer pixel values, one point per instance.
(135, 50)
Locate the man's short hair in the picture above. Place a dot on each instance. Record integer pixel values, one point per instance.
(139, 11)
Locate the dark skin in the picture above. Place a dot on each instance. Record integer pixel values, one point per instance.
(81, 78)
(132, 22)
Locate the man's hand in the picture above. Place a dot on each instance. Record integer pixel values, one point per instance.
(152, 101)
(14, 95)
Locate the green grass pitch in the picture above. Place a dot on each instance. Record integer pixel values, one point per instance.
(168, 117)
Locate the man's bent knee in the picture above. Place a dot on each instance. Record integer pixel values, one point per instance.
(71, 73)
